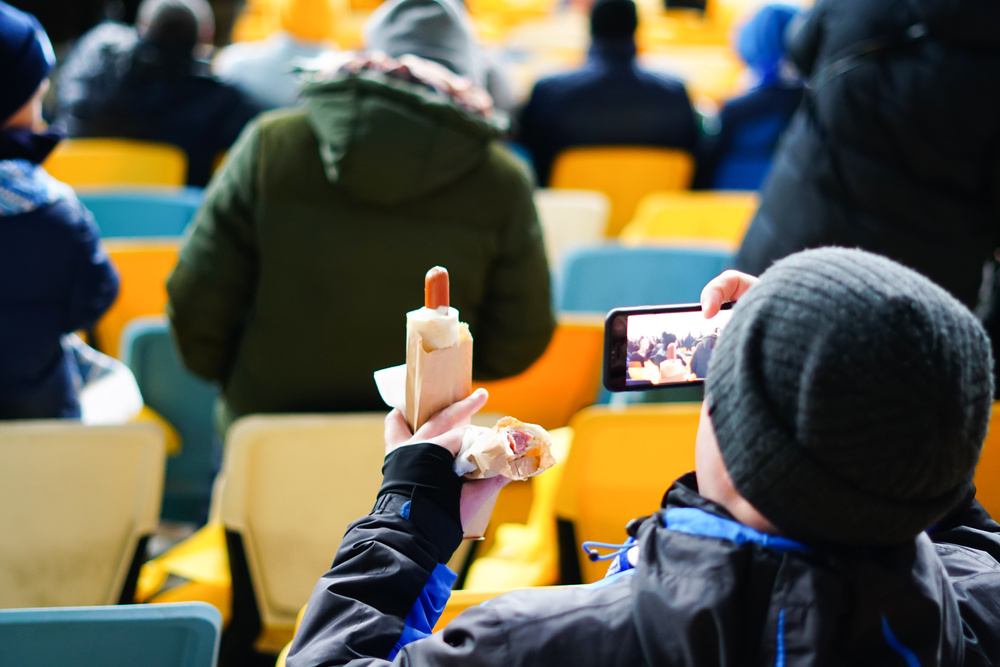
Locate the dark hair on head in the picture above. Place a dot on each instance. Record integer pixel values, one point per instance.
(613, 19)
(182, 23)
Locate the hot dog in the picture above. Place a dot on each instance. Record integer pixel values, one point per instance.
(436, 323)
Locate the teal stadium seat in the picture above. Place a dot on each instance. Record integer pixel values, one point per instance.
(161, 635)
(187, 402)
(130, 212)
(601, 277)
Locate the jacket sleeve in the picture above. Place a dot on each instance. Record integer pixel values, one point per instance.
(515, 319)
(211, 289)
(968, 543)
(95, 284)
(388, 583)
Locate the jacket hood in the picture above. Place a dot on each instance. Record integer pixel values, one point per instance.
(709, 590)
(974, 23)
(438, 30)
(386, 140)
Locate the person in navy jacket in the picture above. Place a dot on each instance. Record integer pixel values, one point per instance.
(611, 100)
(54, 276)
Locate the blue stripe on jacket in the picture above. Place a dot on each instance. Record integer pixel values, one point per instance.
(693, 521)
(426, 610)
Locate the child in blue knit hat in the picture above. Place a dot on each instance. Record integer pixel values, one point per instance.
(54, 276)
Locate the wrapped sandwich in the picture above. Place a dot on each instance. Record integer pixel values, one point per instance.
(511, 448)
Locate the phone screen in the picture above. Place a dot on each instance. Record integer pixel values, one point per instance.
(659, 346)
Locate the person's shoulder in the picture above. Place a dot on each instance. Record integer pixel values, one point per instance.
(560, 82)
(509, 171)
(664, 81)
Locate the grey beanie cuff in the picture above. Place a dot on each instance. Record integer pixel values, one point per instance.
(850, 396)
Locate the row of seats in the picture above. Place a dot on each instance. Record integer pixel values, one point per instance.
(627, 175)
(288, 488)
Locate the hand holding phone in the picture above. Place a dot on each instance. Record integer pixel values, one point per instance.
(652, 347)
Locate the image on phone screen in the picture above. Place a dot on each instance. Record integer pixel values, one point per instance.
(659, 346)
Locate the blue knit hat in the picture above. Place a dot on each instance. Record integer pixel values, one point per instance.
(26, 58)
(761, 42)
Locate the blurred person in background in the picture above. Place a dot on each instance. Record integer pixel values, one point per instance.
(313, 241)
(611, 100)
(54, 276)
(265, 70)
(896, 145)
(149, 83)
(739, 154)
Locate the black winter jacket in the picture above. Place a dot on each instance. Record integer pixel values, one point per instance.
(116, 85)
(705, 590)
(896, 151)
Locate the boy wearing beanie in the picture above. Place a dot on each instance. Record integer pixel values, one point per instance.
(830, 521)
(54, 277)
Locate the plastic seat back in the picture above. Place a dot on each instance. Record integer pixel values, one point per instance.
(76, 506)
(987, 479)
(625, 174)
(143, 266)
(142, 213)
(289, 487)
(167, 635)
(563, 380)
(187, 402)
(570, 218)
(685, 217)
(99, 162)
(621, 461)
(599, 278)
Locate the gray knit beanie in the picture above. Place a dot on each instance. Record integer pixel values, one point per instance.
(437, 30)
(850, 397)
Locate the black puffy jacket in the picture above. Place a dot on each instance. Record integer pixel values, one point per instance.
(704, 591)
(896, 147)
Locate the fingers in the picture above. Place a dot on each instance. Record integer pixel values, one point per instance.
(727, 286)
(456, 414)
(397, 432)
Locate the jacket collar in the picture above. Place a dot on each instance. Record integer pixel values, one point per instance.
(23, 144)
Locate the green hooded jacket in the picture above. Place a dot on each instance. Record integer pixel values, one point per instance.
(312, 244)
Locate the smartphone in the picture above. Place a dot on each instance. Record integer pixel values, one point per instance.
(652, 347)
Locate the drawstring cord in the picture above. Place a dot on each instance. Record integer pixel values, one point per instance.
(632, 528)
(591, 549)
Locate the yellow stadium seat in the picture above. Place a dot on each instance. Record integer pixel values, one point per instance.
(570, 218)
(711, 73)
(202, 561)
(563, 380)
(679, 217)
(987, 478)
(257, 21)
(77, 505)
(621, 461)
(143, 266)
(527, 554)
(101, 162)
(289, 487)
(625, 174)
